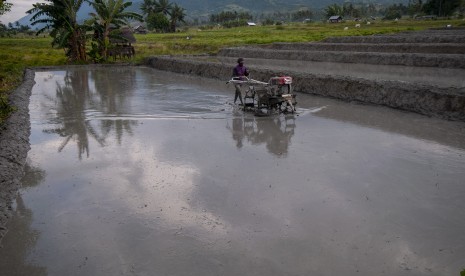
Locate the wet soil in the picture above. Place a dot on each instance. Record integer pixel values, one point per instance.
(351, 172)
(135, 171)
(14, 145)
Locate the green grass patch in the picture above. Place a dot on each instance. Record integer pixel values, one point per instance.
(18, 53)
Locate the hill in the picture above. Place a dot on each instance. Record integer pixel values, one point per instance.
(259, 6)
(201, 8)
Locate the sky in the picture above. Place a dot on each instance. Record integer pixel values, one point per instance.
(18, 10)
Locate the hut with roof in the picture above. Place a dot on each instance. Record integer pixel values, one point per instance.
(335, 19)
(140, 29)
(121, 42)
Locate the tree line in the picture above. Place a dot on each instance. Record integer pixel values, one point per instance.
(13, 29)
(440, 8)
(162, 15)
(350, 10)
(230, 19)
(415, 8)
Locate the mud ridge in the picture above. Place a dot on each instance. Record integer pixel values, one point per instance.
(450, 48)
(408, 59)
(445, 35)
(14, 145)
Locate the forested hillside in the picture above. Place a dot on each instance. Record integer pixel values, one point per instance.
(204, 8)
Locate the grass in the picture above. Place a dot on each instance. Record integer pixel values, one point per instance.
(18, 53)
(210, 41)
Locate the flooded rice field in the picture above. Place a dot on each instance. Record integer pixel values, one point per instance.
(134, 171)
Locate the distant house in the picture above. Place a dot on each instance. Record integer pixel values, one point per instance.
(335, 19)
(425, 17)
(140, 30)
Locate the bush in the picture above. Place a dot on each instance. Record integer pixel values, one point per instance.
(235, 23)
(268, 21)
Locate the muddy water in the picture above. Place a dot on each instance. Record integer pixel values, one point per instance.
(134, 171)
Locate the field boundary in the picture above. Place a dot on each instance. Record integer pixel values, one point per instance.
(14, 145)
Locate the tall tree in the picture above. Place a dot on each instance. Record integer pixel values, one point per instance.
(163, 6)
(177, 15)
(158, 21)
(110, 14)
(415, 7)
(60, 16)
(302, 14)
(154, 17)
(158, 12)
(334, 9)
(5, 7)
(395, 11)
(441, 7)
(148, 7)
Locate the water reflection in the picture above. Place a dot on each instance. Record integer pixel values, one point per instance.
(82, 94)
(169, 202)
(275, 131)
(17, 247)
(450, 133)
(114, 94)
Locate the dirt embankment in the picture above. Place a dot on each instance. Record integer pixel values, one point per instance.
(14, 145)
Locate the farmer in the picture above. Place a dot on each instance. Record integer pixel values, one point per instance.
(239, 72)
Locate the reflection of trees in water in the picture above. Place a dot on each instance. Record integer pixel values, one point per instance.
(119, 127)
(17, 245)
(72, 99)
(113, 90)
(113, 86)
(274, 131)
(75, 98)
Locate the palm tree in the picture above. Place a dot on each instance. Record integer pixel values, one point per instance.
(60, 16)
(148, 7)
(110, 14)
(5, 7)
(334, 9)
(157, 13)
(177, 15)
(163, 6)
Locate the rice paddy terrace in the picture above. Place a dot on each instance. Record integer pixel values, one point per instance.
(418, 71)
